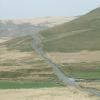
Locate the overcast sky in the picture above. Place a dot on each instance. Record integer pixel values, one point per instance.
(39, 8)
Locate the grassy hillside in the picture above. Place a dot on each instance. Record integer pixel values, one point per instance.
(78, 35)
(82, 33)
(23, 44)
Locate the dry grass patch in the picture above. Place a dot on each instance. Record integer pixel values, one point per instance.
(92, 84)
(78, 57)
(4, 39)
(5, 54)
(44, 94)
(14, 59)
(17, 65)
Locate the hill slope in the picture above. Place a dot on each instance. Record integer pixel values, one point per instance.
(80, 34)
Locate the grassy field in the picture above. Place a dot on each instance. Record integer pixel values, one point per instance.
(28, 84)
(24, 69)
(90, 71)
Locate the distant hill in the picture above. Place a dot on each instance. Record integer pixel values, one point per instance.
(82, 33)
(20, 27)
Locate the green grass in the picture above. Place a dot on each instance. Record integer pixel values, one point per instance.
(25, 85)
(94, 75)
(84, 41)
(82, 70)
(87, 40)
(90, 20)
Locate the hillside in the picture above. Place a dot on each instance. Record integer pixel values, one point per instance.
(80, 34)
(20, 27)
(73, 45)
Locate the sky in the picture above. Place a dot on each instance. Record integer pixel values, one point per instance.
(42, 8)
